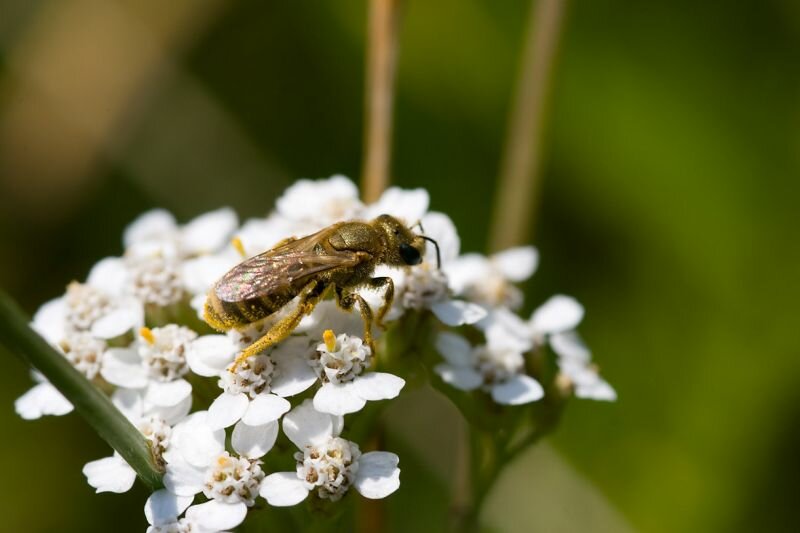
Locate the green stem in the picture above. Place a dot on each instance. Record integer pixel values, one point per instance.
(89, 402)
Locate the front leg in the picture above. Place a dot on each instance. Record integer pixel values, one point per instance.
(346, 302)
(387, 284)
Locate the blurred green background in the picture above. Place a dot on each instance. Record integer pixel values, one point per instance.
(669, 208)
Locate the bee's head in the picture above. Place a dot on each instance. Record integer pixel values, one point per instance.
(404, 247)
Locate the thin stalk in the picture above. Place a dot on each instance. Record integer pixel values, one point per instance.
(89, 402)
(518, 190)
(383, 26)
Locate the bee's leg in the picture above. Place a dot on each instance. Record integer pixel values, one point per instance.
(308, 299)
(346, 302)
(387, 284)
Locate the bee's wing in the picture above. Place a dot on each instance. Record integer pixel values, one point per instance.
(276, 270)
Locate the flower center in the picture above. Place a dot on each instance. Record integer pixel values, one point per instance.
(84, 305)
(330, 467)
(233, 480)
(84, 352)
(425, 286)
(158, 432)
(497, 366)
(340, 359)
(252, 377)
(155, 279)
(495, 291)
(163, 351)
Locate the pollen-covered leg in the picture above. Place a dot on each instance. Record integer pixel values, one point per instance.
(387, 284)
(346, 302)
(308, 299)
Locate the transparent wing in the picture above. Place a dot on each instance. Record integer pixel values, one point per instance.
(276, 269)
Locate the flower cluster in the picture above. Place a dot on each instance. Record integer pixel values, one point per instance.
(135, 329)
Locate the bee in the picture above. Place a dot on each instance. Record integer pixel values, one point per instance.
(335, 260)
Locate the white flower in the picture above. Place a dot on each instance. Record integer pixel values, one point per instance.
(85, 353)
(197, 462)
(204, 234)
(43, 399)
(498, 368)
(489, 281)
(555, 322)
(113, 474)
(163, 509)
(312, 205)
(327, 463)
(340, 364)
(100, 306)
(408, 205)
(253, 393)
(154, 364)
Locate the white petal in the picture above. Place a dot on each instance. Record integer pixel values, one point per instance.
(460, 377)
(454, 348)
(305, 425)
(210, 354)
(458, 312)
(110, 275)
(378, 386)
(378, 475)
(129, 315)
(254, 441)
(440, 227)
(265, 408)
(198, 443)
(466, 270)
(517, 390)
(570, 346)
(294, 374)
(559, 313)
(217, 516)
(183, 479)
(504, 330)
(123, 367)
(200, 273)
(167, 394)
(209, 232)
(163, 507)
(517, 264)
(48, 321)
(283, 489)
(129, 402)
(110, 474)
(154, 224)
(409, 205)
(338, 399)
(226, 409)
(598, 390)
(171, 414)
(43, 399)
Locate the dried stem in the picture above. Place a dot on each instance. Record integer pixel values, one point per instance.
(89, 402)
(383, 26)
(517, 196)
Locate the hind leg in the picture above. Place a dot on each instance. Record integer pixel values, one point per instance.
(309, 298)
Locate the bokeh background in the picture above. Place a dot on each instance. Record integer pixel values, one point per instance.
(669, 208)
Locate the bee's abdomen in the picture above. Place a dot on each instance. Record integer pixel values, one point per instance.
(222, 315)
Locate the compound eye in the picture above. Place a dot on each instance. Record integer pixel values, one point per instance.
(410, 254)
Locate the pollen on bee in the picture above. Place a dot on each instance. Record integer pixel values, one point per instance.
(147, 334)
(236, 242)
(330, 340)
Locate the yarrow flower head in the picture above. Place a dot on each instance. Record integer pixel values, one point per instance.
(134, 328)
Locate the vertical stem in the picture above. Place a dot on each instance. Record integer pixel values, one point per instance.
(517, 195)
(383, 26)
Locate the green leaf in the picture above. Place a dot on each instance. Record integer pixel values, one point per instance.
(94, 406)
